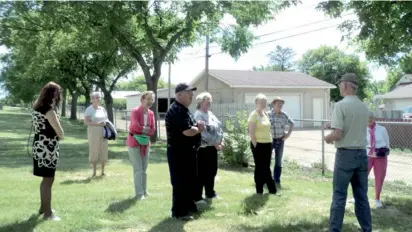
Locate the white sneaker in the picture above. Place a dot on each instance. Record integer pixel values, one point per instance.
(378, 204)
(139, 198)
(352, 201)
(200, 202)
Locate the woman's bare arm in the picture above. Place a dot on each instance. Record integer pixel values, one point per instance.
(252, 134)
(55, 123)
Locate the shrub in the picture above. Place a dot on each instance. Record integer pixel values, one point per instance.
(236, 151)
(119, 104)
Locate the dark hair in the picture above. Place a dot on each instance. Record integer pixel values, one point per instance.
(50, 92)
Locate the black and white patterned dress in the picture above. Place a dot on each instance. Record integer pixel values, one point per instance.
(45, 144)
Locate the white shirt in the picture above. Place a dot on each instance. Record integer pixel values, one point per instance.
(381, 137)
(144, 119)
(96, 115)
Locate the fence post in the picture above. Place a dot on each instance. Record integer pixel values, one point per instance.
(114, 118)
(126, 119)
(323, 148)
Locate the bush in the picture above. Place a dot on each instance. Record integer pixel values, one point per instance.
(236, 151)
(119, 104)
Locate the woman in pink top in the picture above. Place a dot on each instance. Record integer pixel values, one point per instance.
(142, 122)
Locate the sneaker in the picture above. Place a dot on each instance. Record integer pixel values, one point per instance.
(200, 202)
(378, 204)
(215, 197)
(146, 194)
(183, 218)
(52, 218)
(352, 201)
(278, 185)
(140, 197)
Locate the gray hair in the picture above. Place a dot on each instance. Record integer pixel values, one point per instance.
(353, 86)
(95, 94)
(202, 97)
(260, 96)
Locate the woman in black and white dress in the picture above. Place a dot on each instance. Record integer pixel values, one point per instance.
(47, 133)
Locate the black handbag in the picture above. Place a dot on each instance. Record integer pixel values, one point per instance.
(382, 152)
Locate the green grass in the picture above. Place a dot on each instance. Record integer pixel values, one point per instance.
(105, 204)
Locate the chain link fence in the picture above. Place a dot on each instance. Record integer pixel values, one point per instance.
(306, 145)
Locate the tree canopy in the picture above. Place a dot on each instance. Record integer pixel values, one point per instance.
(104, 40)
(383, 29)
(280, 59)
(329, 63)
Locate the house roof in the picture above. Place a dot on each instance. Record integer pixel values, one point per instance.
(137, 93)
(400, 92)
(123, 94)
(265, 79)
(405, 80)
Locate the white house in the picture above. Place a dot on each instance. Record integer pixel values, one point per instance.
(306, 97)
(401, 96)
(133, 100)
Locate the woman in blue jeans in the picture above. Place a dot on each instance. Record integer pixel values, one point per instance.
(279, 120)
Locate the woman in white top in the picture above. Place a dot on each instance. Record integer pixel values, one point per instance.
(378, 151)
(95, 118)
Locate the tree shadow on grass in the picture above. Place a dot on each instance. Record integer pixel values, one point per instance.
(27, 225)
(176, 225)
(231, 168)
(295, 226)
(394, 216)
(121, 206)
(252, 204)
(169, 224)
(82, 181)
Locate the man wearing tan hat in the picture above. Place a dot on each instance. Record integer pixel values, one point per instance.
(279, 120)
(349, 120)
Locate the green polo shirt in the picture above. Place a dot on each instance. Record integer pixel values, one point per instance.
(351, 116)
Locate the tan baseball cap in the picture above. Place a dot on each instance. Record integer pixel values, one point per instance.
(348, 77)
(278, 99)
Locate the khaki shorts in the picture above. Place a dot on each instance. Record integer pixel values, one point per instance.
(98, 146)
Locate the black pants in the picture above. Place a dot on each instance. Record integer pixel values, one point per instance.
(262, 155)
(207, 162)
(183, 168)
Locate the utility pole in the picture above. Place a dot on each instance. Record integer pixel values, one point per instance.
(207, 56)
(169, 85)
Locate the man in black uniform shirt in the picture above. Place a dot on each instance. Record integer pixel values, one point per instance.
(183, 140)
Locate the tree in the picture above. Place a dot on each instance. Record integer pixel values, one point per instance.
(70, 54)
(328, 63)
(383, 29)
(153, 32)
(280, 59)
(138, 84)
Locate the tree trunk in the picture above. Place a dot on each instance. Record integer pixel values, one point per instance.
(64, 102)
(87, 99)
(152, 85)
(108, 100)
(73, 110)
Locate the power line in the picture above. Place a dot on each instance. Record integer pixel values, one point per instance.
(274, 40)
(279, 31)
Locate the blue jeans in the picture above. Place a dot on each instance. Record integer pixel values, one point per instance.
(351, 166)
(278, 145)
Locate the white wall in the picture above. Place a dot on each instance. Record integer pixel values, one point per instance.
(132, 102)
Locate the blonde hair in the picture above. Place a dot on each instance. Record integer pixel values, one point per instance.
(202, 97)
(260, 96)
(145, 93)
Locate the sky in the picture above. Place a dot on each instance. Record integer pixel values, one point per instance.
(191, 60)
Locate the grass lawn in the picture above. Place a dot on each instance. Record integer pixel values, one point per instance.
(105, 204)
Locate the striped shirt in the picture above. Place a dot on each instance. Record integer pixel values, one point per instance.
(278, 123)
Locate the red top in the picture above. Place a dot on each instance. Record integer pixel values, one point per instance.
(136, 127)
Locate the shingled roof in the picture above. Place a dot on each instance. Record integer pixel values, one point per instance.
(266, 79)
(399, 92)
